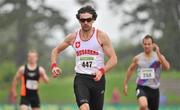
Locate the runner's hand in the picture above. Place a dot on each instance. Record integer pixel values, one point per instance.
(156, 47)
(56, 71)
(125, 89)
(13, 96)
(98, 76)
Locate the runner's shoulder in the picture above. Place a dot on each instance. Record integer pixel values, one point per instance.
(136, 58)
(101, 33)
(41, 69)
(70, 38)
(21, 69)
(102, 37)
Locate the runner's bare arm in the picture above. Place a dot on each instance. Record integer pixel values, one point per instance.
(57, 50)
(129, 73)
(130, 70)
(43, 75)
(16, 78)
(108, 50)
(56, 71)
(162, 59)
(164, 62)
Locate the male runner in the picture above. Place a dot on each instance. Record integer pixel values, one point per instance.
(90, 45)
(29, 75)
(148, 64)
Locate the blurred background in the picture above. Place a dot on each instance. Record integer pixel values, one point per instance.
(43, 24)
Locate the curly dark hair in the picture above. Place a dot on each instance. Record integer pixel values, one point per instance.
(87, 9)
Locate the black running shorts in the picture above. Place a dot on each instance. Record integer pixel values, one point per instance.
(89, 91)
(152, 96)
(34, 101)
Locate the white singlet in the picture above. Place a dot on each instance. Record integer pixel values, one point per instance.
(89, 54)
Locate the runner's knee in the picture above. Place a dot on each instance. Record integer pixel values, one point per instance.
(23, 107)
(143, 103)
(35, 109)
(84, 106)
(143, 106)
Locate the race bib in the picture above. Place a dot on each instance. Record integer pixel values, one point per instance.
(147, 73)
(87, 61)
(32, 84)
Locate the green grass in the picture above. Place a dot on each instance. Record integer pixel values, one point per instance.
(4, 94)
(116, 80)
(170, 75)
(60, 90)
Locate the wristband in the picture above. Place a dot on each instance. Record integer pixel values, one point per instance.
(102, 71)
(53, 65)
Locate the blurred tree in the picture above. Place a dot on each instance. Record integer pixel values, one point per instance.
(29, 19)
(82, 2)
(87, 2)
(164, 15)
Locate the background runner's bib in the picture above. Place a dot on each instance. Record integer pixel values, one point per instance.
(148, 71)
(32, 84)
(89, 54)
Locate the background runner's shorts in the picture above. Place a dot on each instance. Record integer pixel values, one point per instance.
(89, 91)
(152, 96)
(34, 101)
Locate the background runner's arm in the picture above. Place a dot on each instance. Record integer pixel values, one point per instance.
(43, 75)
(16, 78)
(109, 51)
(130, 70)
(164, 62)
(162, 59)
(57, 50)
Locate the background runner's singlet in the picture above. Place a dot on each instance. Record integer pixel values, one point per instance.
(89, 54)
(148, 71)
(30, 82)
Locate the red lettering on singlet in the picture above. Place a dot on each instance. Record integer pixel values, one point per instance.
(86, 51)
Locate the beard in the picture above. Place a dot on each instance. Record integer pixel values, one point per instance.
(86, 28)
